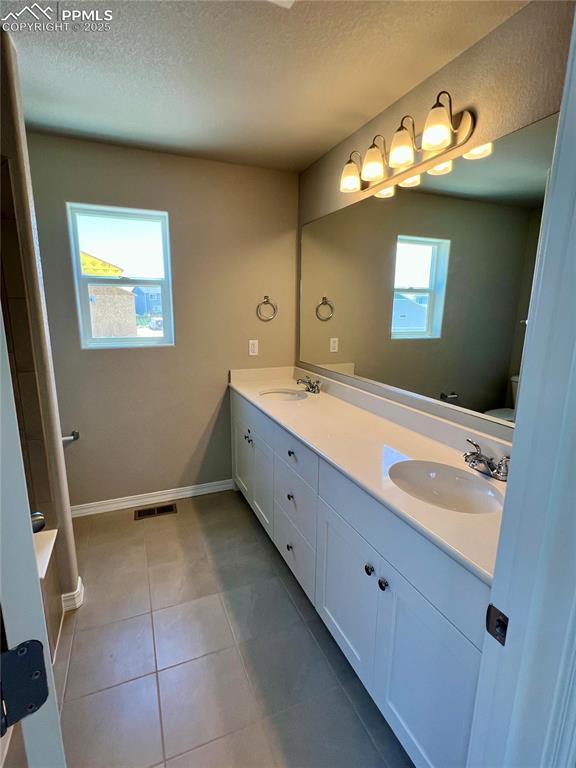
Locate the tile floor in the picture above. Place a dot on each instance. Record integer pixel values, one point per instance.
(196, 648)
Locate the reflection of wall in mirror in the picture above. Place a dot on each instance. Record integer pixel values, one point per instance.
(350, 256)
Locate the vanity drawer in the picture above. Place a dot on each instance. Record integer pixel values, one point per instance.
(254, 419)
(300, 458)
(297, 499)
(297, 553)
(456, 592)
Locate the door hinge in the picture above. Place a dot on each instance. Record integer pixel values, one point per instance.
(23, 688)
(496, 623)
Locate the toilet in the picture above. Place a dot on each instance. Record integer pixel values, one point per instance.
(507, 414)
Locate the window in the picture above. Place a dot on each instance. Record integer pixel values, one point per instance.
(121, 261)
(419, 287)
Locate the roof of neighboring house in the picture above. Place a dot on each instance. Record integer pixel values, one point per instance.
(91, 265)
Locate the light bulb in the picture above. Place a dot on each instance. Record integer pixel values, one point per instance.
(386, 192)
(437, 132)
(412, 181)
(373, 165)
(402, 147)
(441, 169)
(484, 150)
(350, 179)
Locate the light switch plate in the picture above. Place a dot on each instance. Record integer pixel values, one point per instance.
(253, 347)
(334, 345)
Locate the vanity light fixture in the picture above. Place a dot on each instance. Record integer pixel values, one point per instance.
(403, 144)
(441, 169)
(478, 153)
(350, 178)
(438, 129)
(386, 192)
(411, 181)
(374, 160)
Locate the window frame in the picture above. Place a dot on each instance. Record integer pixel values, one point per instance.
(82, 282)
(436, 290)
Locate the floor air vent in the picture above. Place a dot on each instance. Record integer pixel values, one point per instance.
(165, 509)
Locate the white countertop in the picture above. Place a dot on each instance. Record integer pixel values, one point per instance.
(363, 446)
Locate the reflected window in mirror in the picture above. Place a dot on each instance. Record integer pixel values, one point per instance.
(421, 270)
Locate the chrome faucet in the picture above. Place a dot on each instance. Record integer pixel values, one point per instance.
(497, 468)
(311, 386)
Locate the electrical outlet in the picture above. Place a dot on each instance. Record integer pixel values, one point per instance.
(253, 347)
(334, 345)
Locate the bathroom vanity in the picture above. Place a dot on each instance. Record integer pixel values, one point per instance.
(402, 584)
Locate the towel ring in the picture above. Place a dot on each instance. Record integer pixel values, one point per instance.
(266, 314)
(327, 315)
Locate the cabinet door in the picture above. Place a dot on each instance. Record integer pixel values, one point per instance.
(346, 589)
(243, 458)
(425, 675)
(263, 483)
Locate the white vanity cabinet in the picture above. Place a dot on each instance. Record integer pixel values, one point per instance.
(425, 674)
(409, 618)
(253, 460)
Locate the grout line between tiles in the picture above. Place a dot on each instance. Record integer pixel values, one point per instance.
(156, 674)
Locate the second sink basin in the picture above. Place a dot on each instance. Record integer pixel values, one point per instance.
(446, 486)
(284, 394)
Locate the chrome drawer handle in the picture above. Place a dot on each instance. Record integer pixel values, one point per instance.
(290, 496)
(291, 453)
(383, 584)
(369, 568)
(289, 547)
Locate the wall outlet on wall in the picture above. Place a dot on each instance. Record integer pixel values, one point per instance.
(253, 347)
(334, 345)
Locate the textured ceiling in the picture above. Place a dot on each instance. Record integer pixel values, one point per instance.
(246, 81)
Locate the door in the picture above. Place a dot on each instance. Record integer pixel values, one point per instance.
(263, 483)
(347, 589)
(243, 458)
(425, 674)
(20, 594)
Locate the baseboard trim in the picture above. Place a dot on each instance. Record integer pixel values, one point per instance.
(156, 497)
(73, 600)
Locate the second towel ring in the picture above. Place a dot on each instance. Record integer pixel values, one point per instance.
(266, 310)
(324, 316)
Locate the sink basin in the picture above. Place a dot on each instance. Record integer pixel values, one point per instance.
(447, 487)
(284, 394)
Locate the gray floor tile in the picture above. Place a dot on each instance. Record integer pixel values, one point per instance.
(322, 733)
(338, 662)
(189, 630)
(112, 559)
(182, 581)
(110, 598)
(174, 546)
(116, 728)
(204, 699)
(248, 748)
(61, 663)
(286, 668)
(251, 562)
(259, 609)
(110, 654)
(381, 733)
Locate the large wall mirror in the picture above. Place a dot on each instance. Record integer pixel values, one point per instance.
(428, 291)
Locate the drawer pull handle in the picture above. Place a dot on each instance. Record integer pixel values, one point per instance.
(291, 453)
(383, 584)
(369, 568)
(289, 547)
(290, 496)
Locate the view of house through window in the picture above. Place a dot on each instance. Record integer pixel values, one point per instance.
(122, 273)
(419, 287)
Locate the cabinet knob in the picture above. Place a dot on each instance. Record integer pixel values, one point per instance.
(290, 496)
(289, 547)
(369, 568)
(291, 453)
(383, 584)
